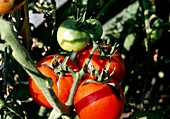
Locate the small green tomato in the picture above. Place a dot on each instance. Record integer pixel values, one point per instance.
(70, 37)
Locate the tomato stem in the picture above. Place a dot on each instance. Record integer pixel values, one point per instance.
(78, 75)
(95, 46)
(23, 57)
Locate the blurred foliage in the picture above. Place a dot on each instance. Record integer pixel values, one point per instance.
(140, 27)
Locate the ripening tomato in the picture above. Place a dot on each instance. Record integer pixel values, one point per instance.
(94, 100)
(9, 6)
(116, 62)
(70, 37)
(61, 86)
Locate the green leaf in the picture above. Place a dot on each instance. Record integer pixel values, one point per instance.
(129, 41)
(146, 114)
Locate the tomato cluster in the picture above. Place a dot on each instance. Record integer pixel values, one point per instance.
(97, 98)
(101, 68)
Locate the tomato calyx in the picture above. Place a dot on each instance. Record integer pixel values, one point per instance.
(58, 66)
(92, 26)
(62, 67)
(103, 78)
(107, 51)
(104, 52)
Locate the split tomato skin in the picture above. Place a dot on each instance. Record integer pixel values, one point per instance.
(116, 62)
(9, 6)
(61, 85)
(95, 100)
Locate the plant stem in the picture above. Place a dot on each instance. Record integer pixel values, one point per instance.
(22, 56)
(26, 28)
(78, 75)
(95, 46)
(145, 4)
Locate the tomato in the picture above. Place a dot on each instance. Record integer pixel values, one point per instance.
(70, 37)
(94, 100)
(61, 85)
(95, 28)
(116, 62)
(9, 6)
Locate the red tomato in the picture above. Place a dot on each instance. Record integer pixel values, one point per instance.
(94, 100)
(61, 85)
(99, 63)
(9, 6)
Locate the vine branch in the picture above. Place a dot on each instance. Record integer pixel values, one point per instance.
(24, 59)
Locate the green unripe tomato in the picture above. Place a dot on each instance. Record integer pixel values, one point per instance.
(70, 37)
(96, 28)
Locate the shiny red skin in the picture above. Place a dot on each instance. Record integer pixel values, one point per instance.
(100, 63)
(95, 100)
(61, 86)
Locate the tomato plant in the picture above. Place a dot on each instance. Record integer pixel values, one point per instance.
(62, 84)
(10, 6)
(70, 37)
(96, 100)
(98, 62)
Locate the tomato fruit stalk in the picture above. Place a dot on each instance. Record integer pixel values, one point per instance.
(99, 63)
(52, 60)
